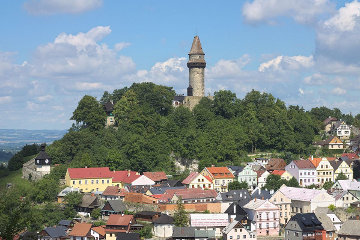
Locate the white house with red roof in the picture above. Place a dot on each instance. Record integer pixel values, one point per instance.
(196, 180)
(127, 178)
(220, 176)
(157, 177)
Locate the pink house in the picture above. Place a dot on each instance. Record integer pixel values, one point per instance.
(265, 215)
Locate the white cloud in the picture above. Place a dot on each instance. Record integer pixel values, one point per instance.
(346, 18)
(120, 46)
(338, 91)
(86, 86)
(44, 98)
(228, 68)
(283, 63)
(268, 10)
(301, 91)
(50, 7)
(5, 99)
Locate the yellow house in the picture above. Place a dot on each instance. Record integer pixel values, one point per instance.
(286, 176)
(283, 203)
(220, 176)
(341, 166)
(325, 172)
(196, 180)
(89, 179)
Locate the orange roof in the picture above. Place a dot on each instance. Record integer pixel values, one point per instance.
(125, 176)
(220, 172)
(100, 230)
(315, 161)
(156, 176)
(331, 158)
(81, 230)
(278, 172)
(139, 198)
(119, 220)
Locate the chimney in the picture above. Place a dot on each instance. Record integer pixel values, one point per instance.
(262, 198)
(312, 157)
(235, 208)
(254, 199)
(85, 166)
(212, 165)
(128, 173)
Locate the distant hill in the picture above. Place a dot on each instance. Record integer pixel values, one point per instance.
(12, 140)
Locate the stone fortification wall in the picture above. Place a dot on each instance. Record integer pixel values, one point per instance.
(29, 171)
(196, 81)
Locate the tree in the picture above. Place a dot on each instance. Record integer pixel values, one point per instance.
(327, 185)
(96, 213)
(89, 113)
(236, 185)
(292, 183)
(332, 207)
(181, 218)
(146, 232)
(224, 103)
(15, 214)
(341, 176)
(73, 199)
(274, 182)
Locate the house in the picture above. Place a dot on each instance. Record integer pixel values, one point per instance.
(262, 161)
(157, 177)
(235, 230)
(180, 233)
(81, 231)
(304, 226)
(66, 223)
(275, 164)
(351, 156)
(109, 108)
(350, 230)
(284, 204)
(163, 226)
(37, 167)
(286, 176)
(262, 177)
(304, 172)
(220, 176)
(344, 199)
(127, 236)
(249, 176)
(236, 212)
(113, 193)
(191, 195)
(64, 192)
(332, 142)
(235, 170)
(341, 129)
(265, 215)
(214, 222)
(88, 203)
(261, 193)
(98, 232)
(147, 216)
(130, 178)
(171, 183)
(118, 223)
(197, 180)
(53, 233)
(341, 166)
(305, 200)
(89, 179)
(325, 171)
(346, 185)
(241, 197)
(329, 221)
(328, 123)
(139, 198)
(157, 191)
(113, 207)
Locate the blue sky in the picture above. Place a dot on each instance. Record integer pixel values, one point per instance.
(53, 52)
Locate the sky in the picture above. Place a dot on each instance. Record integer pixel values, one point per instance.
(53, 52)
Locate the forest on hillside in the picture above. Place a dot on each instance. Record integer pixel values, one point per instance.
(150, 133)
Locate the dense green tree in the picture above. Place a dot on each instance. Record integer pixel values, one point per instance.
(24, 155)
(106, 97)
(46, 189)
(146, 232)
(292, 183)
(327, 185)
(73, 199)
(89, 113)
(341, 176)
(236, 185)
(181, 217)
(96, 213)
(225, 103)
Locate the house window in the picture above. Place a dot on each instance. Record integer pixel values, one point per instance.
(244, 236)
(103, 181)
(97, 181)
(92, 181)
(73, 182)
(108, 181)
(230, 237)
(85, 181)
(235, 229)
(79, 181)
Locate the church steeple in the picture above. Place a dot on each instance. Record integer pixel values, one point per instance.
(196, 65)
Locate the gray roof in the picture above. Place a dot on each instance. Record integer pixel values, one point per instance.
(67, 190)
(88, 201)
(325, 221)
(235, 209)
(42, 155)
(127, 236)
(350, 228)
(183, 232)
(235, 169)
(241, 196)
(65, 222)
(162, 190)
(117, 205)
(164, 219)
(56, 232)
(260, 194)
(204, 233)
(196, 47)
(308, 222)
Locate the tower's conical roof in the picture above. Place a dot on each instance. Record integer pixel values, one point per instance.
(196, 46)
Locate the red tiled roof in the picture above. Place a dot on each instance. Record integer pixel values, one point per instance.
(260, 172)
(81, 173)
(80, 229)
(278, 172)
(100, 230)
(156, 176)
(190, 178)
(139, 198)
(125, 176)
(114, 191)
(304, 164)
(119, 220)
(208, 178)
(188, 193)
(276, 164)
(350, 155)
(315, 161)
(220, 172)
(331, 158)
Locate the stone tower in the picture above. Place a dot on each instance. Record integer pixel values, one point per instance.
(196, 65)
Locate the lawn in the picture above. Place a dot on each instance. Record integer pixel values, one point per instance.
(16, 180)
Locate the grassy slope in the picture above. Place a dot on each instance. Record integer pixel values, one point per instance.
(14, 178)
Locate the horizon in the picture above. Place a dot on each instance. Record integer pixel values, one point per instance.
(303, 55)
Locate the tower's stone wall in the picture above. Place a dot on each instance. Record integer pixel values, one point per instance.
(196, 81)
